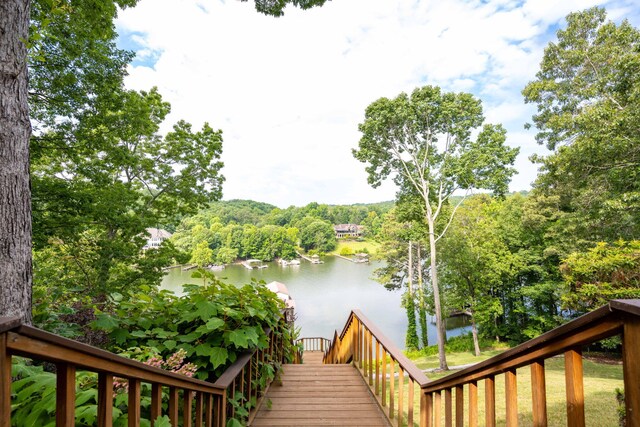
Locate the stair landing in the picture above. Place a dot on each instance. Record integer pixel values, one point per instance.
(313, 394)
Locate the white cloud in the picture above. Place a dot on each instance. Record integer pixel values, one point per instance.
(290, 92)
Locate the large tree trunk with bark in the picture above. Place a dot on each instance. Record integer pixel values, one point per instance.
(15, 192)
(436, 296)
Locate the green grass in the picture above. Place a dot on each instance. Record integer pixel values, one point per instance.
(356, 247)
(600, 383)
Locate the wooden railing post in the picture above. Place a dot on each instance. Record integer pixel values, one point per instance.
(631, 367)
(187, 410)
(5, 382)
(575, 390)
(459, 406)
(400, 394)
(473, 404)
(426, 409)
(65, 395)
(511, 395)
(173, 406)
(448, 408)
(539, 394)
(156, 401)
(490, 402)
(437, 408)
(105, 400)
(133, 410)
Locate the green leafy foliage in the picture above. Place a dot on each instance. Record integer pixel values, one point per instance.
(213, 324)
(603, 273)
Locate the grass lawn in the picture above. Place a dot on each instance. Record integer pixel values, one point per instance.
(356, 247)
(600, 383)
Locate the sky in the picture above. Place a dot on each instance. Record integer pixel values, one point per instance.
(289, 92)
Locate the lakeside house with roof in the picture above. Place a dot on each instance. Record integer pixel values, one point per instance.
(155, 237)
(348, 230)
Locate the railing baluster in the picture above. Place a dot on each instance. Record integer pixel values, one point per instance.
(459, 406)
(511, 395)
(133, 410)
(199, 402)
(392, 381)
(411, 399)
(105, 399)
(156, 401)
(5, 382)
(208, 411)
(426, 409)
(490, 402)
(631, 370)
(384, 378)
(370, 351)
(437, 405)
(400, 394)
(187, 407)
(539, 394)
(473, 404)
(173, 406)
(575, 392)
(377, 385)
(448, 408)
(65, 395)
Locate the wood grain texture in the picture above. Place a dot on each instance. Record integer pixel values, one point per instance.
(631, 369)
(459, 406)
(105, 400)
(65, 395)
(511, 396)
(538, 394)
(473, 404)
(573, 375)
(134, 403)
(490, 402)
(448, 408)
(320, 395)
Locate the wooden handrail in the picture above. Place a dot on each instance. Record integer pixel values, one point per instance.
(617, 317)
(211, 399)
(363, 344)
(314, 343)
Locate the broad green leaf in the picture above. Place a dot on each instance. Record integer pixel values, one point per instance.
(214, 323)
(170, 344)
(218, 356)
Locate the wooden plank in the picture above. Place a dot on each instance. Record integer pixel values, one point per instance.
(412, 397)
(473, 404)
(304, 415)
(384, 378)
(459, 406)
(549, 344)
(370, 350)
(400, 395)
(490, 402)
(511, 396)
(539, 394)
(105, 399)
(65, 395)
(5, 378)
(631, 369)
(156, 401)
(173, 406)
(575, 392)
(187, 408)
(199, 412)
(62, 350)
(369, 422)
(426, 409)
(377, 382)
(208, 411)
(437, 408)
(448, 408)
(133, 409)
(391, 387)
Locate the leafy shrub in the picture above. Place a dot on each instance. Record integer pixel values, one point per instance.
(213, 324)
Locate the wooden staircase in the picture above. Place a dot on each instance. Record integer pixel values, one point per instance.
(314, 394)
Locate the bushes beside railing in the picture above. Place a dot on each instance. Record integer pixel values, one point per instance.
(237, 337)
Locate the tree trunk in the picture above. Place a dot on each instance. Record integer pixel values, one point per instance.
(411, 339)
(15, 192)
(436, 296)
(474, 332)
(424, 333)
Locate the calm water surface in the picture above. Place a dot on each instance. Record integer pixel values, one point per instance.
(324, 294)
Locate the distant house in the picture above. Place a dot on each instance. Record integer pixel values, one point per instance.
(348, 230)
(155, 237)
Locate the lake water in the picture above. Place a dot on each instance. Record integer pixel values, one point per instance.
(325, 294)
